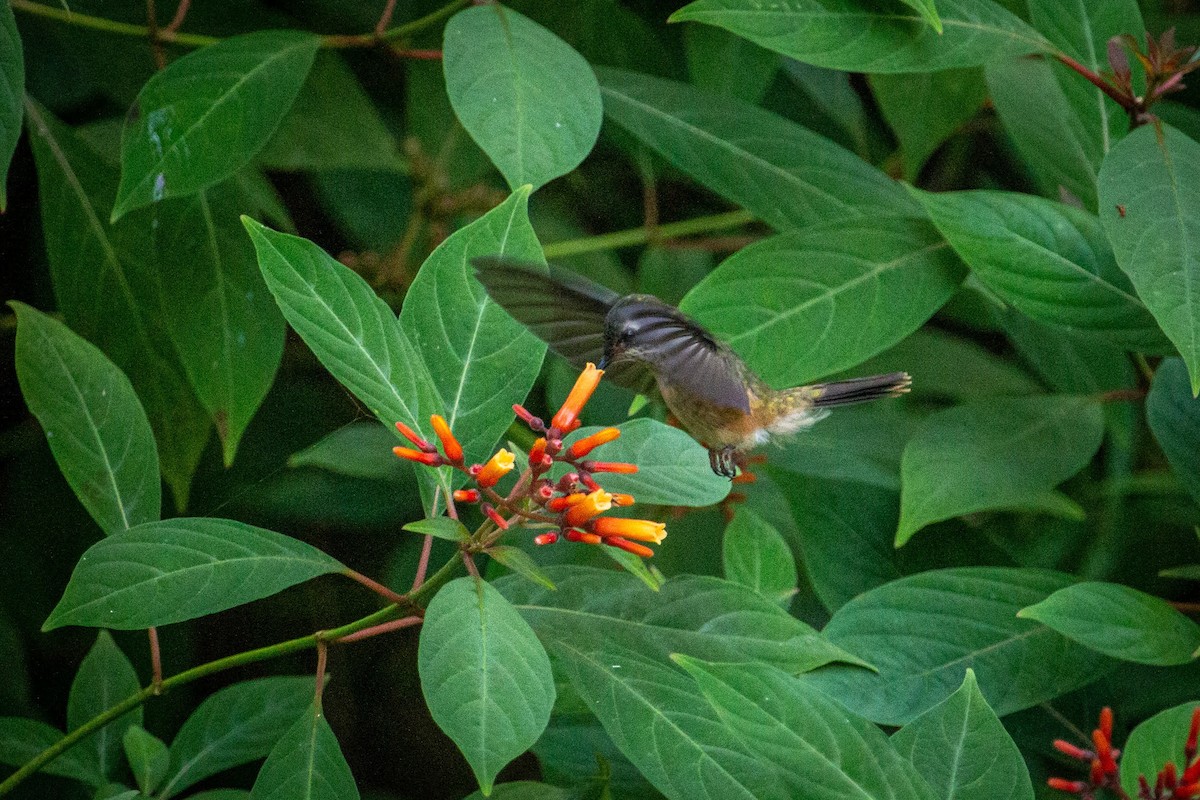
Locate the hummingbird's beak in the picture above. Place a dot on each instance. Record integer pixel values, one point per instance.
(603, 361)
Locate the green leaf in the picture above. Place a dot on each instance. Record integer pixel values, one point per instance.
(635, 565)
(306, 763)
(148, 757)
(782, 173)
(804, 736)
(525, 790)
(857, 36)
(963, 751)
(485, 676)
(699, 616)
(95, 425)
(805, 304)
(651, 712)
(1067, 361)
(922, 632)
(1120, 622)
(226, 329)
(164, 572)
(332, 125)
(527, 99)
(672, 466)
(1050, 260)
(205, 116)
(22, 739)
(1150, 208)
(235, 725)
(349, 328)
(359, 450)
(1005, 453)
(928, 10)
(12, 93)
(104, 679)
(521, 563)
(722, 62)
(927, 108)
(1153, 743)
(109, 297)
(755, 555)
(442, 527)
(1174, 417)
(479, 359)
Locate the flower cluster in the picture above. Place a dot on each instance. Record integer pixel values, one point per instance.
(1170, 784)
(569, 507)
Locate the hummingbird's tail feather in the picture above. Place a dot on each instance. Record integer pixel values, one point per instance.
(859, 390)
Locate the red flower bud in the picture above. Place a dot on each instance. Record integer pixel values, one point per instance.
(589, 443)
(535, 423)
(495, 516)
(546, 538)
(466, 495)
(580, 536)
(1071, 750)
(414, 437)
(589, 482)
(629, 547)
(1106, 722)
(1104, 752)
(428, 459)
(450, 445)
(1064, 785)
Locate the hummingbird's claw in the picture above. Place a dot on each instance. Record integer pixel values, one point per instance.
(722, 462)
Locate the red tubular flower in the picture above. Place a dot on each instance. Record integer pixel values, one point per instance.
(466, 495)
(581, 536)
(589, 443)
(1188, 791)
(1064, 785)
(629, 547)
(1106, 722)
(450, 445)
(1104, 752)
(414, 437)
(535, 423)
(591, 505)
(568, 416)
(428, 459)
(1071, 750)
(609, 466)
(546, 538)
(496, 468)
(566, 501)
(495, 516)
(642, 530)
(589, 482)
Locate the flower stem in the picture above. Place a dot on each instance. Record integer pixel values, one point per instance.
(636, 236)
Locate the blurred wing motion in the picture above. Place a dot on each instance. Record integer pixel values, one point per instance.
(562, 309)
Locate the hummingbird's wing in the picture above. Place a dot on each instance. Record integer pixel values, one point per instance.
(563, 309)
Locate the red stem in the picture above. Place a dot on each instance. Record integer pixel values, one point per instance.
(385, 18)
(423, 563)
(156, 672)
(374, 586)
(180, 13)
(386, 627)
(1097, 81)
(322, 653)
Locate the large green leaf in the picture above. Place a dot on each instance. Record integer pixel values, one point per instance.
(358, 450)
(148, 757)
(1150, 207)
(109, 298)
(485, 676)
(923, 631)
(21, 739)
(1050, 260)
(805, 304)
(858, 36)
(1153, 743)
(525, 790)
(180, 569)
(479, 359)
(12, 93)
(651, 711)
(104, 679)
(236, 725)
(963, 751)
(673, 467)
(721, 62)
(699, 616)
(755, 555)
(205, 116)
(225, 327)
(527, 99)
(1174, 417)
(927, 108)
(805, 737)
(1121, 622)
(1003, 453)
(93, 421)
(782, 173)
(307, 763)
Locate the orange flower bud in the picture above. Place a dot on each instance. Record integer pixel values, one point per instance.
(643, 530)
(1104, 752)
(496, 468)
(495, 516)
(566, 501)
(450, 445)
(589, 443)
(546, 538)
(428, 459)
(629, 547)
(620, 499)
(414, 437)
(580, 536)
(1066, 748)
(609, 466)
(1106, 722)
(587, 382)
(466, 495)
(592, 504)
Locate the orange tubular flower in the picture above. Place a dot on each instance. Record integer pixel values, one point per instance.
(496, 468)
(589, 443)
(495, 516)
(629, 547)
(1064, 785)
(642, 530)
(568, 415)
(428, 459)
(566, 501)
(609, 466)
(580, 536)
(450, 445)
(592, 504)
(414, 437)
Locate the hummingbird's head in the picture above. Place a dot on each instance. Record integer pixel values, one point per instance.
(640, 327)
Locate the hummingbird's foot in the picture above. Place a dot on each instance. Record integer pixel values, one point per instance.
(723, 461)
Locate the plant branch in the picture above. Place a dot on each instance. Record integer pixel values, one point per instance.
(636, 236)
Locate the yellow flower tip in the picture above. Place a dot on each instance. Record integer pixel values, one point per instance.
(589, 443)
(590, 506)
(496, 468)
(642, 530)
(450, 445)
(581, 392)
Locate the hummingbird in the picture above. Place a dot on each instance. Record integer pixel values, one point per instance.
(645, 344)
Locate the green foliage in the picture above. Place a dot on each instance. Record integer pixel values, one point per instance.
(187, 185)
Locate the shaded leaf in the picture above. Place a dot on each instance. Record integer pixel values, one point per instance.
(12, 93)
(442, 527)
(1174, 417)
(485, 676)
(527, 99)
(927, 108)
(963, 751)
(521, 563)
(1006, 453)
(206, 115)
(756, 556)
(104, 679)
(1120, 622)
(22, 739)
(164, 572)
(95, 425)
(359, 450)
(148, 757)
(306, 762)
(721, 62)
(1153, 743)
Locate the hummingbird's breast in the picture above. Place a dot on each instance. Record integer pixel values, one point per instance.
(714, 425)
